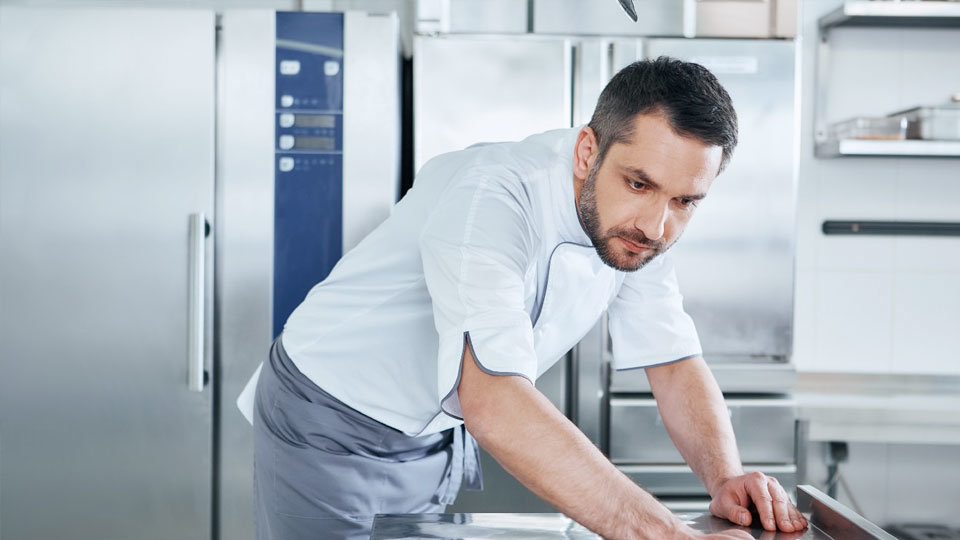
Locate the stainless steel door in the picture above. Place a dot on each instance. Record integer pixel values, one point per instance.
(106, 119)
(735, 261)
(471, 89)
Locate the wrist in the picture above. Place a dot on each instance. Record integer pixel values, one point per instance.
(659, 524)
(714, 487)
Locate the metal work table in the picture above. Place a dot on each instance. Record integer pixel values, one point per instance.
(828, 519)
(880, 408)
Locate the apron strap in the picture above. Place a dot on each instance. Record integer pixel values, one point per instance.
(463, 468)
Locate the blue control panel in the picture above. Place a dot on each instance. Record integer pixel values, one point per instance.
(308, 169)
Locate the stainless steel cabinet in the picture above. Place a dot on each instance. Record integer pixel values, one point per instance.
(764, 430)
(106, 120)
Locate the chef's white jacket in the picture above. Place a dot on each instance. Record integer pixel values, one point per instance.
(486, 249)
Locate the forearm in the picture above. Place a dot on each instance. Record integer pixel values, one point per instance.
(549, 455)
(696, 417)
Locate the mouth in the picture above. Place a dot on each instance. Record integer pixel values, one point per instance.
(635, 247)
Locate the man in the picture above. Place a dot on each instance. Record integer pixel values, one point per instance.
(499, 260)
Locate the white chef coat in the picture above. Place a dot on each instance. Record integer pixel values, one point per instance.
(486, 248)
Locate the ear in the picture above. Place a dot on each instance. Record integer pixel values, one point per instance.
(584, 153)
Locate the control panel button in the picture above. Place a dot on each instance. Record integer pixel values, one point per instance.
(286, 164)
(289, 67)
(286, 142)
(286, 120)
(331, 68)
(286, 100)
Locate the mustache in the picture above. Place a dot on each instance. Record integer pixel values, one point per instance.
(639, 238)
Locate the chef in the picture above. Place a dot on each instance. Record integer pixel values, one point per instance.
(434, 328)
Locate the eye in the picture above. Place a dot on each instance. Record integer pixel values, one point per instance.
(687, 203)
(635, 185)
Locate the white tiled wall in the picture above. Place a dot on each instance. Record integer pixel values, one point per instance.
(877, 303)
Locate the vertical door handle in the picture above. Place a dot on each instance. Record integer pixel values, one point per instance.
(196, 295)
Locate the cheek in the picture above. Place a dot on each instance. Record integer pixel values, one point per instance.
(676, 224)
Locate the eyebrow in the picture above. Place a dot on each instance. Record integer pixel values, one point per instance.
(639, 174)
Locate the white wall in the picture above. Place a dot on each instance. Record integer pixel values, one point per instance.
(875, 303)
(896, 483)
(880, 304)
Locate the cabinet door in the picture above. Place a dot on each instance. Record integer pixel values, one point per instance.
(107, 122)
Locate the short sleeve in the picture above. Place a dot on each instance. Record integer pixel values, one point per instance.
(475, 248)
(648, 325)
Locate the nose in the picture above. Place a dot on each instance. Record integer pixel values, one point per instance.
(651, 220)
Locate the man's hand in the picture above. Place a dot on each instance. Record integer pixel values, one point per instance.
(733, 498)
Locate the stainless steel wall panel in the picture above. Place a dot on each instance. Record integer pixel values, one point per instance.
(371, 111)
(638, 436)
(244, 234)
(470, 89)
(106, 121)
(735, 260)
(607, 18)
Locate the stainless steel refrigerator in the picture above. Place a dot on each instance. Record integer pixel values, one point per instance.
(171, 184)
(735, 261)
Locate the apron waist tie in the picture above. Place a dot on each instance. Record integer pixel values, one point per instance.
(463, 468)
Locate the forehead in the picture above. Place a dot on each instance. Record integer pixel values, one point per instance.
(683, 163)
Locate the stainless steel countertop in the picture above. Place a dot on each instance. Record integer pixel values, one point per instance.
(827, 520)
(519, 526)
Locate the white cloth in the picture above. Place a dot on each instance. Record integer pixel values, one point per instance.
(486, 248)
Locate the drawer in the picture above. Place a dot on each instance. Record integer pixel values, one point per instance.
(679, 480)
(764, 429)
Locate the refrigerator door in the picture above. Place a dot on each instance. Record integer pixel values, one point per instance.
(735, 260)
(106, 118)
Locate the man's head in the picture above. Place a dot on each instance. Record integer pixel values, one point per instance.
(662, 131)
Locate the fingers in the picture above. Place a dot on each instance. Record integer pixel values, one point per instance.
(781, 506)
(739, 515)
(799, 521)
(729, 506)
(759, 491)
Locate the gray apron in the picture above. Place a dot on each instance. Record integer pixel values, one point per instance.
(324, 470)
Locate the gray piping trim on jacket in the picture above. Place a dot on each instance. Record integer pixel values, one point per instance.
(661, 363)
(546, 282)
(456, 384)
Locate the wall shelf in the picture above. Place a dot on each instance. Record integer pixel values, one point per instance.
(882, 14)
(881, 148)
(895, 14)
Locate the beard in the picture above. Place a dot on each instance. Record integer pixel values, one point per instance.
(610, 255)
